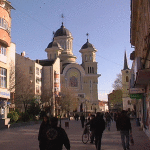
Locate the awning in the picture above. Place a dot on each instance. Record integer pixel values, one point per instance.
(142, 78)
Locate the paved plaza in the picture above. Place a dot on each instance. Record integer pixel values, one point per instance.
(25, 138)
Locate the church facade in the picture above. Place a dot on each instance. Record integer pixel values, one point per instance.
(79, 79)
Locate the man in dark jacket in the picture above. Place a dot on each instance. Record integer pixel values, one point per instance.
(42, 133)
(125, 127)
(82, 118)
(98, 124)
(56, 136)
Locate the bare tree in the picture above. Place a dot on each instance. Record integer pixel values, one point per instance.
(24, 91)
(69, 101)
(117, 85)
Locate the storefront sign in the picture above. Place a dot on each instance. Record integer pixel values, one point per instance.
(136, 96)
(137, 90)
(4, 93)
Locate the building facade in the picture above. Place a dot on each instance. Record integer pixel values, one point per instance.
(80, 79)
(140, 40)
(28, 84)
(6, 50)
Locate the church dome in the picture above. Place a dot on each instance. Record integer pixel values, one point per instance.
(53, 44)
(62, 31)
(87, 45)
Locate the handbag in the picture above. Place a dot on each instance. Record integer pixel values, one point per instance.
(131, 139)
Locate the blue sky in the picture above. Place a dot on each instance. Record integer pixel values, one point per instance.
(106, 21)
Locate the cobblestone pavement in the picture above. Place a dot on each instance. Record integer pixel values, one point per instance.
(25, 138)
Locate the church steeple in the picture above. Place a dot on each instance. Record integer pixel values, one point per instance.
(125, 62)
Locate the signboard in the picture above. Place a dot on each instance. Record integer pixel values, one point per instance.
(136, 96)
(137, 90)
(4, 93)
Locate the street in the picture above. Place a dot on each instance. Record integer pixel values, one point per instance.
(25, 138)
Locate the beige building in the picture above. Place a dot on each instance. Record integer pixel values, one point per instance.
(126, 76)
(80, 79)
(140, 40)
(50, 84)
(28, 81)
(7, 51)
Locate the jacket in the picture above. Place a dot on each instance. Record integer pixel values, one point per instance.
(56, 138)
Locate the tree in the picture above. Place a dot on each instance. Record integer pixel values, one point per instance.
(68, 101)
(117, 85)
(24, 91)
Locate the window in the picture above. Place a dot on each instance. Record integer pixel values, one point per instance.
(55, 56)
(37, 80)
(37, 70)
(90, 57)
(85, 58)
(3, 78)
(37, 89)
(50, 56)
(4, 25)
(127, 79)
(30, 70)
(3, 50)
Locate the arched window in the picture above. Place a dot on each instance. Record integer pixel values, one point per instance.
(92, 69)
(127, 79)
(85, 57)
(90, 57)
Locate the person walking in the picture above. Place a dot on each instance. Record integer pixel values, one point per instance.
(82, 118)
(91, 128)
(98, 128)
(124, 125)
(56, 136)
(42, 133)
(108, 120)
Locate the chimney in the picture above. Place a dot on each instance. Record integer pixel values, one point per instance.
(23, 53)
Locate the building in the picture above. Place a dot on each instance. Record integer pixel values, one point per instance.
(6, 50)
(28, 75)
(103, 106)
(50, 85)
(80, 79)
(140, 41)
(126, 76)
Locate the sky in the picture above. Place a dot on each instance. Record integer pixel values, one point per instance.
(106, 21)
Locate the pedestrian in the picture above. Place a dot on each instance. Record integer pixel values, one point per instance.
(82, 118)
(56, 136)
(125, 129)
(108, 120)
(91, 128)
(98, 128)
(42, 132)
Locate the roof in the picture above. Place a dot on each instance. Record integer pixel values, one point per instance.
(45, 62)
(87, 45)
(125, 62)
(62, 31)
(53, 44)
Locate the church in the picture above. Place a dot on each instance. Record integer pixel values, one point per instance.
(80, 79)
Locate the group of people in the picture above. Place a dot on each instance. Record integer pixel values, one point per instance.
(52, 137)
(99, 123)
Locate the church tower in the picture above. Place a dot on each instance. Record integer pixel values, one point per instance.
(126, 76)
(88, 53)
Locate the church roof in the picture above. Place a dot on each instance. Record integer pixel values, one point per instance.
(53, 44)
(87, 45)
(62, 31)
(125, 62)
